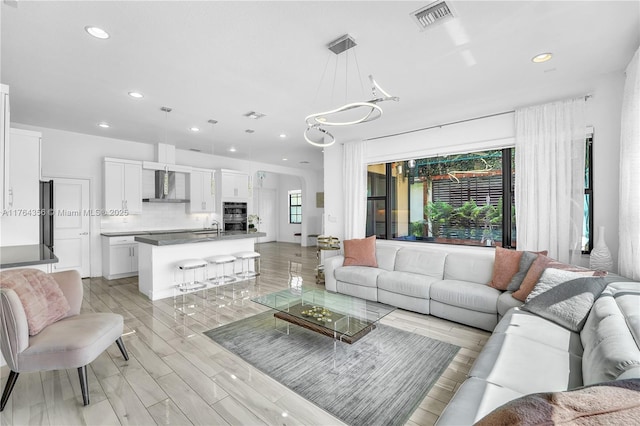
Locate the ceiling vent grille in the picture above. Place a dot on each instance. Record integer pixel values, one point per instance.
(432, 14)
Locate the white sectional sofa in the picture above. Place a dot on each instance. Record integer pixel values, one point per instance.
(449, 285)
(526, 353)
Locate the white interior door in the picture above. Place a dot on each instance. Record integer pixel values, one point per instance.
(267, 213)
(71, 225)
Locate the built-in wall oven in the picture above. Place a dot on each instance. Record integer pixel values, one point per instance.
(234, 217)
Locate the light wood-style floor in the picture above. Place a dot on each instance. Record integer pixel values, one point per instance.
(176, 375)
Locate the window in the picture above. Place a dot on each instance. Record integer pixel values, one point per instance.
(453, 199)
(587, 225)
(377, 199)
(295, 206)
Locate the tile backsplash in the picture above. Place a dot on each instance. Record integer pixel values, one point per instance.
(158, 216)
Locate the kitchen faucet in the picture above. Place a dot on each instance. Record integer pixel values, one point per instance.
(217, 226)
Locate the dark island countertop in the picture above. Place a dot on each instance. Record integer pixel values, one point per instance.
(153, 232)
(26, 255)
(200, 236)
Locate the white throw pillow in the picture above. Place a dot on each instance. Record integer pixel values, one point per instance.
(564, 297)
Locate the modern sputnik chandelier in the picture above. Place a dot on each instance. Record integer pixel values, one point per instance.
(317, 122)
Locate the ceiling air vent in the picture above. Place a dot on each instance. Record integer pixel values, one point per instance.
(432, 14)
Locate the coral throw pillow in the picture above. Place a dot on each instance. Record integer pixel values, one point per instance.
(360, 252)
(43, 301)
(505, 266)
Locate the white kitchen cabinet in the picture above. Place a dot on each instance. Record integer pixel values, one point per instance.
(122, 186)
(201, 191)
(119, 257)
(19, 223)
(234, 185)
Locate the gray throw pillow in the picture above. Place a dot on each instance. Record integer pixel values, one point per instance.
(525, 263)
(564, 297)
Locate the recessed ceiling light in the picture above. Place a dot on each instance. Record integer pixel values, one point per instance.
(232, 149)
(97, 32)
(194, 129)
(282, 135)
(543, 57)
(136, 95)
(284, 159)
(254, 115)
(104, 125)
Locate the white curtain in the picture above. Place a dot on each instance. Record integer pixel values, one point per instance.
(629, 206)
(355, 190)
(549, 187)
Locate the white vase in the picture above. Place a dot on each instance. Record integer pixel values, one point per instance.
(600, 258)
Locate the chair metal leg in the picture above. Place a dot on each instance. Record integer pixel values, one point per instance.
(123, 350)
(11, 382)
(84, 384)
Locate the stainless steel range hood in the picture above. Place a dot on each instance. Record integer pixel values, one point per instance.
(165, 188)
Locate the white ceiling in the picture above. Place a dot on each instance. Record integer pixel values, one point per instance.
(220, 60)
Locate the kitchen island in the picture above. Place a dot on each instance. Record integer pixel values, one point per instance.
(159, 253)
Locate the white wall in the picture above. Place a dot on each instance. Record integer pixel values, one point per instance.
(75, 155)
(603, 112)
(333, 218)
(311, 217)
(287, 230)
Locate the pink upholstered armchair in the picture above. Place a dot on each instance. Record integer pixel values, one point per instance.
(72, 341)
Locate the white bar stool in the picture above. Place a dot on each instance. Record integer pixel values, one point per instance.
(248, 256)
(221, 260)
(193, 265)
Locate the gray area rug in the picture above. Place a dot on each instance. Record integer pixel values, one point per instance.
(380, 379)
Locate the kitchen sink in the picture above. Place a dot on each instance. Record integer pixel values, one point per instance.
(206, 231)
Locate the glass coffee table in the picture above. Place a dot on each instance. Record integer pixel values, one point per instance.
(344, 318)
